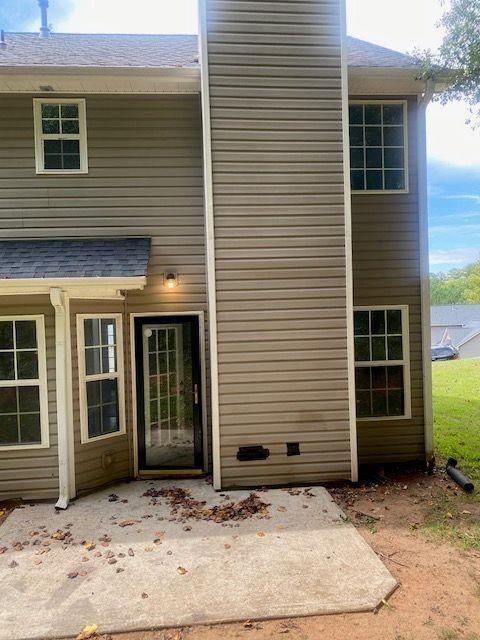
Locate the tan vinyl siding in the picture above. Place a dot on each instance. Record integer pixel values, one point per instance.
(386, 270)
(275, 91)
(145, 179)
(33, 474)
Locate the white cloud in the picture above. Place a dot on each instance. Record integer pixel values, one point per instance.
(454, 257)
(127, 16)
(449, 139)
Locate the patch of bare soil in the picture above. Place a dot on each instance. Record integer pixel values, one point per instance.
(439, 575)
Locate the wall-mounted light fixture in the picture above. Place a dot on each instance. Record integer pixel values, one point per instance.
(170, 279)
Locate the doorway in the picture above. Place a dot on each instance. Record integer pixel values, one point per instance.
(169, 394)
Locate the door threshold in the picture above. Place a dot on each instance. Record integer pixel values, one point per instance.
(171, 473)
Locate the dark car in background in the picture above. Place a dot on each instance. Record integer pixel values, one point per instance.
(445, 352)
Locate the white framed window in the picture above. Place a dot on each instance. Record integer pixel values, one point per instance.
(378, 146)
(60, 135)
(382, 362)
(101, 376)
(23, 383)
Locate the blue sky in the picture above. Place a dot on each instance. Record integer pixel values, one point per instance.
(453, 147)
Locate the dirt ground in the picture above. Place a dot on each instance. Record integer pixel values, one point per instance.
(427, 532)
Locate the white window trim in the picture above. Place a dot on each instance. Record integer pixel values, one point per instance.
(407, 415)
(83, 378)
(40, 136)
(41, 382)
(405, 143)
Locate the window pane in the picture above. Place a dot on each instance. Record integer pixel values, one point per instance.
(379, 377)
(8, 400)
(393, 114)
(361, 322)
(93, 393)
(30, 431)
(28, 399)
(26, 334)
(357, 158)
(109, 391)
(52, 146)
(70, 126)
(27, 365)
(378, 322)
(396, 403)
(6, 335)
(373, 114)
(362, 377)
(91, 330)
(356, 136)
(394, 321)
(109, 418)
(8, 430)
(378, 348)
(374, 180)
(51, 126)
(395, 377)
(393, 158)
(71, 146)
(362, 349)
(52, 161)
(395, 350)
(71, 162)
(164, 409)
(373, 136)
(393, 136)
(356, 113)
(162, 340)
(108, 331)
(7, 368)
(357, 180)
(394, 179)
(363, 405)
(92, 361)
(69, 111)
(50, 111)
(379, 403)
(109, 360)
(94, 422)
(374, 157)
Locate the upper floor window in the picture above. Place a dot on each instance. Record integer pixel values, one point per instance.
(60, 136)
(382, 366)
(378, 146)
(23, 383)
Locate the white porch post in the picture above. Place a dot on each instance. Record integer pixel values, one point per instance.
(63, 368)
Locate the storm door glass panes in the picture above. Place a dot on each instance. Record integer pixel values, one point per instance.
(377, 147)
(101, 376)
(20, 412)
(168, 398)
(62, 131)
(380, 362)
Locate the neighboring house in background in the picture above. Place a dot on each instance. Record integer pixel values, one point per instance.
(458, 325)
(208, 265)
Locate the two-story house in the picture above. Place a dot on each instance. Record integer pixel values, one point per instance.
(213, 254)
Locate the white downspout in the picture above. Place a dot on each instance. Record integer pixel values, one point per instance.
(59, 301)
(423, 102)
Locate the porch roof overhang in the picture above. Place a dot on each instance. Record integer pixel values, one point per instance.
(82, 268)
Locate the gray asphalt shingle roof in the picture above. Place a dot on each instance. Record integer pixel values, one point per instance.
(92, 258)
(458, 314)
(154, 51)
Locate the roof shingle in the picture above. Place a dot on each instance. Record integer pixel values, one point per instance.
(149, 51)
(92, 258)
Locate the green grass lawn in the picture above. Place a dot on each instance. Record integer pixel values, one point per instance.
(456, 407)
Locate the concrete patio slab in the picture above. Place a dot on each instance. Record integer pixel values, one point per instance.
(157, 571)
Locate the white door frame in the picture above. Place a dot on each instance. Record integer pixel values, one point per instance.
(203, 376)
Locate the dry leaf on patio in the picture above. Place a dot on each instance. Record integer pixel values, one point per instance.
(89, 545)
(128, 523)
(181, 570)
(13, 564)
(261, 534)
(282, 509)
(87, 632)
(3, 549)
(144, 595)
(131, 553)
(72, 574)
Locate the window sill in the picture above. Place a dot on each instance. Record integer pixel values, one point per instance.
(407, 416)
(61, 172)
(24, 447)
(106, 436)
